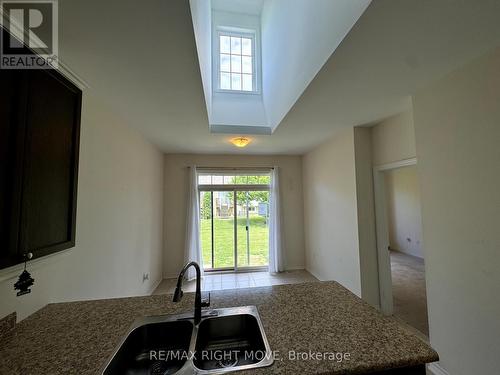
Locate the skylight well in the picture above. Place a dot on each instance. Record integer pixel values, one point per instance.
(254, 60)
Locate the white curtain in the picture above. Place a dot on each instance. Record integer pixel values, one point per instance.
(276, 261)
(193, 247)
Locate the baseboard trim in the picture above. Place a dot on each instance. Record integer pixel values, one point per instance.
(296, 268)
(312, 273)
(168, 276)
(155, 285)
(436, 369)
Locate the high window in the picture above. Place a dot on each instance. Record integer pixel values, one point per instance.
(233, 179)
(236, 63)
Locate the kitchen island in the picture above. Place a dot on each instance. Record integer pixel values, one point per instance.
(304, 324)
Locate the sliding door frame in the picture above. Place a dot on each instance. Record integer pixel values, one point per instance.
(235, 189)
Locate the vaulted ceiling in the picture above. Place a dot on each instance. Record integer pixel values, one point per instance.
(140, 59)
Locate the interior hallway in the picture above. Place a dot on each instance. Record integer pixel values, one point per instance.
(408, 288)
(221, 281)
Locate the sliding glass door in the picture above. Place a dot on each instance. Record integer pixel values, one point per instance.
(217, 229)
(242, 230)
(229, 244)
(206, 229)
(253, 228)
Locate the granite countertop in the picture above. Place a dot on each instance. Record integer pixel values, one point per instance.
(78, 337)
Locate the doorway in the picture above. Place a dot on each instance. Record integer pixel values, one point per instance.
(400, 254)
(234, 224)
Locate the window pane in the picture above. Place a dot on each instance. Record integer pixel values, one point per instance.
(225, 44)
(246, 64)
(235, 64)
(236, 45)
(242, 228)
(225, 63)
(217, 180)
(236, 81)
(224, 241)
(246, 83)
(264, 180)
(204, 180)
(246, 46)
(240, 180)
(225, 81)
(258, 231)
(206, 227)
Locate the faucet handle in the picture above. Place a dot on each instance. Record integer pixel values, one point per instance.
(205, 302)
(177, 294)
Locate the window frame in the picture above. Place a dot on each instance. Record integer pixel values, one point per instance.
(216, 73)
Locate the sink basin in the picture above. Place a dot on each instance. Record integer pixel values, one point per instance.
(141, 351)
(229, 341)
(226, 340)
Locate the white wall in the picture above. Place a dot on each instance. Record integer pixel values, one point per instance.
(298, 37)
(394, 139)
(201, 14)
(176, 189)
(366, 215)
(330, 211)
(403, 210)
(119, 222)
(458, 135)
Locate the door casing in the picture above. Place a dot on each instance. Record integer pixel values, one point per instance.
(381, 222)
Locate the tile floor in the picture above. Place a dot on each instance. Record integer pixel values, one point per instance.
(221, 281)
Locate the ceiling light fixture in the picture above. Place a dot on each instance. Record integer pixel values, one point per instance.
(240, 141)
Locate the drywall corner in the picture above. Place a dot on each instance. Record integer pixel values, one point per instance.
(366, 216)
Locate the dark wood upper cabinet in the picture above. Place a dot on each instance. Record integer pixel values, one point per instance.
(10, 102)
(39, 147)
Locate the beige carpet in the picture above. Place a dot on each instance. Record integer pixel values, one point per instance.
(408, 288)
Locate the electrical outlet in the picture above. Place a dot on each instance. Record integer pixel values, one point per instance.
(145, 276)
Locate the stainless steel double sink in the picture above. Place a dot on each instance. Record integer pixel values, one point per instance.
(226, 340)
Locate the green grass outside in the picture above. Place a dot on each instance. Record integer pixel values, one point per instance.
(224, 242)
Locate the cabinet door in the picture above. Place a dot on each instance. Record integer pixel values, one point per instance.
(12, 106)
(50, 165)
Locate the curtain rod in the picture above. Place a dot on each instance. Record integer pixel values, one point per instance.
(233, 168)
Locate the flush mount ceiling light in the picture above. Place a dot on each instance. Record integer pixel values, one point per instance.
(240, 141)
